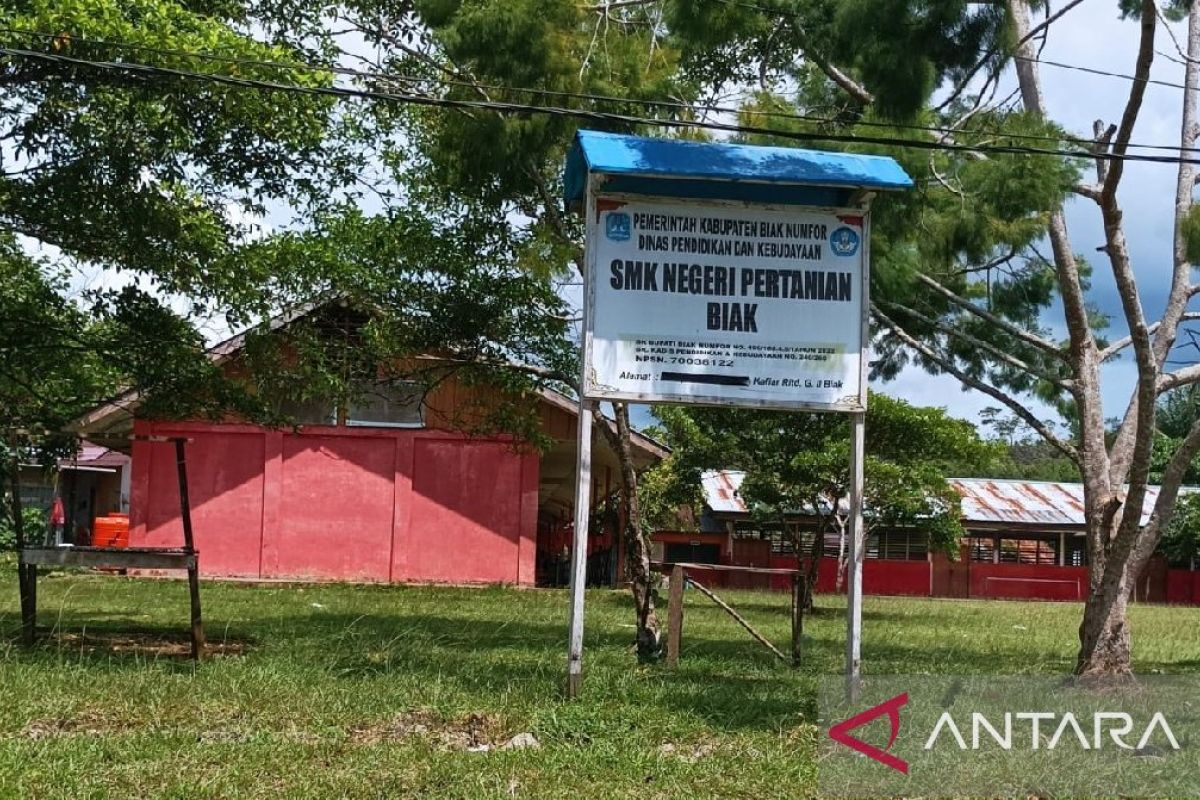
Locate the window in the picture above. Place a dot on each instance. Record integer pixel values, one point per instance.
(1043, 552)
(981, 548)
(781, 541)
(1076, 551)
(384, 405)
(388, 405)
(898, 545)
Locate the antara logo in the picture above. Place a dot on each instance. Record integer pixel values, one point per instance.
(841, 732)
(1067, 728)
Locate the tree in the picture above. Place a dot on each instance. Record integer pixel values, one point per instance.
(799, 463)
(1029, 456)
(133, 188)
(1116, 469)
(969, 297)
(651, 59)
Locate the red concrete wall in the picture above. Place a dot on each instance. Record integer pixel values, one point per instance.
(910, 578)
(1183, 587)
(371, 504)
(880, 576)
(1028, 582)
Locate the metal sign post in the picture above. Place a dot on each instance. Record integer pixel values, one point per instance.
(583, 492)
(854, 564)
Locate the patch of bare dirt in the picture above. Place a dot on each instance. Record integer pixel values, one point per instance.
(151, 645)
(473, 732)
(87, 723)
(689, 753)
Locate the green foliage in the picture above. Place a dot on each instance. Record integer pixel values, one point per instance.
(34, 527)
(143, 175)
(513, 49)
(668, 496)
(903, 49)
(146, 187)
(1191, 234)
(417, 295)
(1177, 411)
(1181, 540)
(801, 461)
(1024, 455)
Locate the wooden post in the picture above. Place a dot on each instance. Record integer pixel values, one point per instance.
(189, 543)
(855, 561)
(798, 592)
(675, 616)
(28, 603)
(26, 575)
(583, 482)
(738, 618)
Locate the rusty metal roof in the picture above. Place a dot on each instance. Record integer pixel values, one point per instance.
(985, 500)
(721, 491)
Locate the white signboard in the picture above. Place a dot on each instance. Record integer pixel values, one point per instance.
(724, 305)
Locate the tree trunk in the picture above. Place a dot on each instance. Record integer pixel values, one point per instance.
(637, 543)
(1104, 641)
(814, 565)
(1104, 638)
(806, 579)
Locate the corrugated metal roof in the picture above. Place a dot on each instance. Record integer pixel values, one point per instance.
(619, 154)
(720, 491)
(985, 500)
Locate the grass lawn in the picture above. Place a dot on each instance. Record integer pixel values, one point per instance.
(351, 691)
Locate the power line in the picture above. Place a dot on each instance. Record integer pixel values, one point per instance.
(1104, 73)
(583, 114)
(644, 102)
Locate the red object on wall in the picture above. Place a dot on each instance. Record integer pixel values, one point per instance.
(111, 531)
(337, 503)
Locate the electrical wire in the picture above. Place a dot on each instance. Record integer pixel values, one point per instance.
(590, 115)
(644, 102)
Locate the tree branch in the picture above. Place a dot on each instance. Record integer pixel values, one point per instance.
(1125, 341)
(1137, 93)
(949, 366)
(1181, 377)
(1093, 461)
(1131, 451)
(1027, 36)
(1168, 493)
(995, 352)
(1029, 338)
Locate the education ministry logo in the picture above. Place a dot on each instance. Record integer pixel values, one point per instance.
(1010, 736)
(844, 241)
(617, 227)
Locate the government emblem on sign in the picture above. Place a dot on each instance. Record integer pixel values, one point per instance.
(617, 227)
(843, 241)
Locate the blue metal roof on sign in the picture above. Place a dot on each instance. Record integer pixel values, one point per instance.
(644, 165)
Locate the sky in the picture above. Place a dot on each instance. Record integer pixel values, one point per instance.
(1092, 35)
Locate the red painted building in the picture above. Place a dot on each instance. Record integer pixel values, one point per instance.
(388, 492)
(1024, 540)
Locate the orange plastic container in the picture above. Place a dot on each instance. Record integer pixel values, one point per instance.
(111, 531)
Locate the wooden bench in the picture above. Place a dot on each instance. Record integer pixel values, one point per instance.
(185, 558)
(110, 558)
